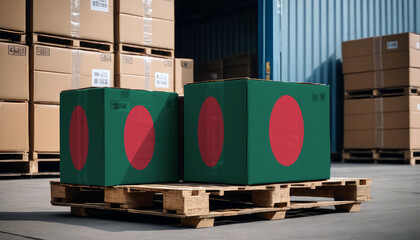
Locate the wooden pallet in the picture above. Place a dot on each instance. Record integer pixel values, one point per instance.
(30, 168)
(382, 92)
(197, 205)
(381, 155)
(60, 41)
(144, 50)
(15, 156)
(12, 36)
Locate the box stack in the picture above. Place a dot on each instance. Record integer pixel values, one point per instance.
(145, 39)
(71, 46)
(381, 109)
(14, 88)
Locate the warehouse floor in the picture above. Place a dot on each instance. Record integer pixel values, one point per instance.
(394, 213)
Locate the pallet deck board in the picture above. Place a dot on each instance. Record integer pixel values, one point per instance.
(11, 36)
(198, 204)
(382, 92)
(145, 50)
(410, 156)
(14, 156)
(68, 42)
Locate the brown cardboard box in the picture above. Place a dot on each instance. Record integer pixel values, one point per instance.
(45, 130)
(94, 21)
(13, 15)
(14, 132)
(162, 9)
(56, 69)
(14, 72)
(383, 44)
(244, 65)
(184, 73)
(382, 120)
(387, 104)
(145, 31)
(209, 70)
(401, 77)
(388, 139)
(392, 60)
(400, 42)
(144, 72)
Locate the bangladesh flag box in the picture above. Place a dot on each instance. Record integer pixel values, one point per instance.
(256, 132)
(112, 136)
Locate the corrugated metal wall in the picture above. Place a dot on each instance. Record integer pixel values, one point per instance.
(220, 37)
(307, 37)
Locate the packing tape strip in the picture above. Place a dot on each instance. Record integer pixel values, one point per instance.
(378, 61)
(76, 56)
(377, 45)
(147, 8)
(379, 79)
(379, 138)
(147, 73)
(147, 22)
(75, 18)
(379, 105)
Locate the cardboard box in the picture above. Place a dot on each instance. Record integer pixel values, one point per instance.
(151, 32)
(95, 20)
(382, 120)
(14, 127)
(13, 15)
(162, 9)
(387, 139)
(56, 69)
(382, 44)
(256, 132)
(184, 73)
(45, 130)
(244, 65)
(210, 70)
(118, 136)
(387, 104)
(401, 77)
(14, 72)
(144, 72)
(392, 60)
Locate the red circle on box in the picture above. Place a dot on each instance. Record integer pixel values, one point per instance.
(78, 137)
(139, 137)
(286, 130)
(210, 131)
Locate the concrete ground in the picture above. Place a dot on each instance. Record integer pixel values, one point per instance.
(394, 213)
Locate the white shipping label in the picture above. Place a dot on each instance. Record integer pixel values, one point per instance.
(417, 44)
(392, 45)
(418, 106)
(161, 80)
(99, 5)
(101, 78)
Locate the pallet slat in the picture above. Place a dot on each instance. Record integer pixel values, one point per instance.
(60, 41)
(381, 155)
(193, 203)
(145, 50)
(382, 92)
(12, 36)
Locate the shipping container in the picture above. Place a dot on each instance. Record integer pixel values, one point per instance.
(295, 40)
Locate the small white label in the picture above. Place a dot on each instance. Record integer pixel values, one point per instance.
(392, 45)
(161, 80)
(417, 44)
(101, 78)
(99, 5)
(418, 106)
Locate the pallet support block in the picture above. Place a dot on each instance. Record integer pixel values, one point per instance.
(273, 215)
(192, 202)
(197, 222)
(277, 196)
(124, 198)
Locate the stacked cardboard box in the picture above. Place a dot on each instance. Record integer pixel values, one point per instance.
(145, 36)
(209, 70)
(244, 65)
(381, 75)
(14, 87)
(71, 46)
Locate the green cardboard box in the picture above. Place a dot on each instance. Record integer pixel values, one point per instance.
(255, 132)
(114, 136)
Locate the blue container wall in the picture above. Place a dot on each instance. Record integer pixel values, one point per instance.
(302, 40)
